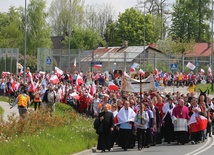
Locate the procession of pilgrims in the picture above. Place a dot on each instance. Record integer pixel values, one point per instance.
(126, 119)
(145, 120)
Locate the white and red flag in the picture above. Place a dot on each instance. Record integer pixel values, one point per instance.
(112, 86)
(75, 95)
(12, 87)
(79, 80)
(93, 88)
(156, 71)
(190, 66)
(209, 71)
(134, 66)
(3, 74)
(202, 71)
(58, 71)
(21, 71)
(142, 72)
(75, 63)
(97, 66)
(54, 79)
(197, 123)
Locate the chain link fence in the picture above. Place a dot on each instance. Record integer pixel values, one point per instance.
(9, 57)
(114, 60)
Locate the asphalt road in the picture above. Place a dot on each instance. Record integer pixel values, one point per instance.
(205, 148)
(8, 111)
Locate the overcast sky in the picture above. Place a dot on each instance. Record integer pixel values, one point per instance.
(119, 5)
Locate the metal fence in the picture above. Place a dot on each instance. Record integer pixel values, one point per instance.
(9, 57)
(149, 60)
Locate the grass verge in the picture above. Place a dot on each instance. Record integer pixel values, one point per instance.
(65, 133)
(204, 87)
(1, 111)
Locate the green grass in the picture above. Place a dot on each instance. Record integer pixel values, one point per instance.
(205, 87)
(64, 140)
(4, 98)
(73, 137)
(1, 111)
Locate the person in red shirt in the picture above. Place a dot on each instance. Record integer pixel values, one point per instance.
(84, 103)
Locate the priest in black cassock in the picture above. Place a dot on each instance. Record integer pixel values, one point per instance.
(107, 120)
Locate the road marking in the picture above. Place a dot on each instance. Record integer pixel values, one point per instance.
(203, 150)
(203, 146)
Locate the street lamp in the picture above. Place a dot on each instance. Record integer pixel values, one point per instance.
(25, 40)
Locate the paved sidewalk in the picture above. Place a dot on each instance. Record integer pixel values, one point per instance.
(7, 110)
(184, 90)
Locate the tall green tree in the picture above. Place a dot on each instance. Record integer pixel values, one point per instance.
(11, 34)
(38, 32)
(190, 19)
(84, 38)
(130, 27)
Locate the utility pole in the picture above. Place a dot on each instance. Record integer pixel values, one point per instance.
(69, 35)
(25, 40)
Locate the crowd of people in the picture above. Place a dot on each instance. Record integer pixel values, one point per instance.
(121, 118)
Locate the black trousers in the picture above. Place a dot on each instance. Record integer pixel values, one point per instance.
(196, 136)
(141, 137)
(104, 141)
(124, 138)
(181, 136)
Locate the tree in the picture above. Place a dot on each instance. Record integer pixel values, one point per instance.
(130, 27)
(160, 10)
(84, 38)
(191, 23)
(98, 17)
(62, 17)
(38, 32)
(11, 34)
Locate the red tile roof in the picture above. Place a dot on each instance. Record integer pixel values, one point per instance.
(199, 50)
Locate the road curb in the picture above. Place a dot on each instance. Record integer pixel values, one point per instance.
(86, 152)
